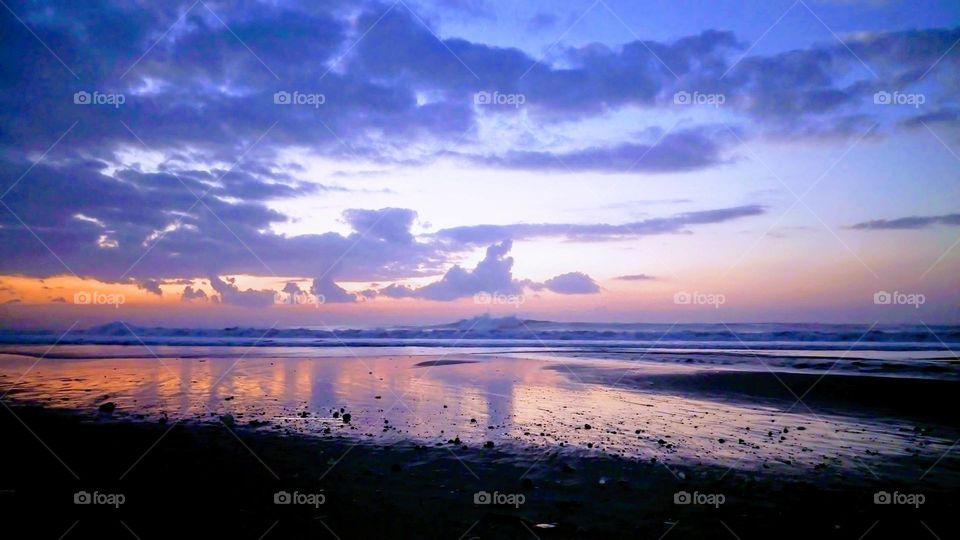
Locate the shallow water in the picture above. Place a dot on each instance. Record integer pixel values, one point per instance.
(527, 402)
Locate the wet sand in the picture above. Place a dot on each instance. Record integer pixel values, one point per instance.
(596, 449)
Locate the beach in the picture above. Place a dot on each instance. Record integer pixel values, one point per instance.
(563, 445)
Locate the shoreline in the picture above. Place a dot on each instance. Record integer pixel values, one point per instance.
(861, 395)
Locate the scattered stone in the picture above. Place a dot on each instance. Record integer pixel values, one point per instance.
(721, 441)
(346, 418)
(107, 408)
(488, 444)
(586, 426)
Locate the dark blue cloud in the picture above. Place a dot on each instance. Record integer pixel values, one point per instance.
(492, 276)
(483, 234)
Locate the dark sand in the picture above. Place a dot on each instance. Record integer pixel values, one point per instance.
(201, 480)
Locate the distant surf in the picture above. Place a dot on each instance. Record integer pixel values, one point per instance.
(490, 331)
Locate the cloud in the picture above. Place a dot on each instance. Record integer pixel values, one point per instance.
(685, 150)
(493, 275)
(635, 277)
(911, 222)
(190, 294)
(203, 97)
(947, 115)
(572, 283)
(329, 292)
(164, 231)
(389, 224)
(482, 234)
(151, 286)
(228, 293)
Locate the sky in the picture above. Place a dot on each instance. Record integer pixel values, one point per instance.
(330, 163)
